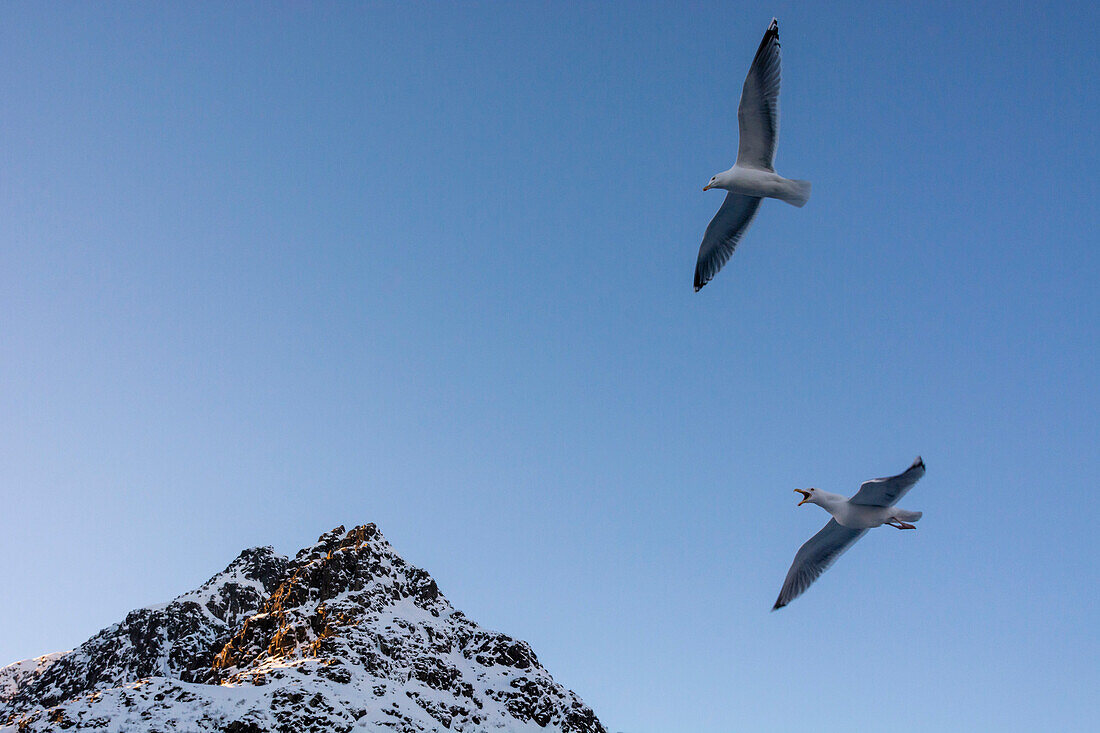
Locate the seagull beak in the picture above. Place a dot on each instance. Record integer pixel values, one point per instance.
(805, 494)
(706, 187)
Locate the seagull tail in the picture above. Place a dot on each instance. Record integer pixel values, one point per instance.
(797, 193)
(907, 516)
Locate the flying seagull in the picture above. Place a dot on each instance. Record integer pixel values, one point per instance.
(752, 177)
(872, 506)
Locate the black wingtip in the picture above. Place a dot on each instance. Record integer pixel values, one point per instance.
(769, 35)
(918, 462)
(777, 606)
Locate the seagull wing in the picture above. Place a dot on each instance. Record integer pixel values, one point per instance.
(887, 491)
(722, 235)
(814, 558)
(758, 112)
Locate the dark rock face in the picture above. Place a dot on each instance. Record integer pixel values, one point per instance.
(346, 636)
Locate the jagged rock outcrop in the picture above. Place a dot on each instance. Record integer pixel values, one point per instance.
(346, 636)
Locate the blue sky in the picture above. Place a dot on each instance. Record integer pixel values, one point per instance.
(270, 269)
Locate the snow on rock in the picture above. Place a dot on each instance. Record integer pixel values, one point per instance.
(345, 637)
(16, 676)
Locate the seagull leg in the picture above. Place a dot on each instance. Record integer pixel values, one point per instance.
(898, 524)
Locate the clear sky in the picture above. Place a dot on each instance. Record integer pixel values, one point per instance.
(270, 269)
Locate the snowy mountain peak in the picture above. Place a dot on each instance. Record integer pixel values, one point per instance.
(241, 588)
(345, 578)
(346, 636)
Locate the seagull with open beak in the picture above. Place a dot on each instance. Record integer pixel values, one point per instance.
(871, 506)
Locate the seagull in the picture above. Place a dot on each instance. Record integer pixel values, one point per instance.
(872, 506)
(752, 177)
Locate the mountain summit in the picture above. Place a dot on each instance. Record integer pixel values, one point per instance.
(345, 637)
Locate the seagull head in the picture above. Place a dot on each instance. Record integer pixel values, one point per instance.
(713, 183)
(808, 495)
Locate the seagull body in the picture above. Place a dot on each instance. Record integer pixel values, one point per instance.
(757, 183)
(752, 178)
(858, 516)
(871, 506)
